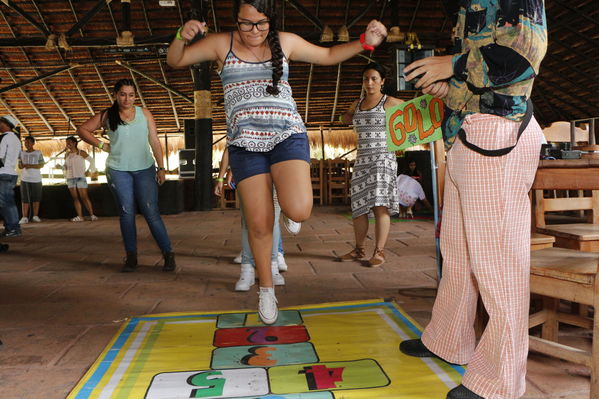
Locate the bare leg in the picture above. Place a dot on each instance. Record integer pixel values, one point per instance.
(382, 225)
(36, 208)
(360, 230)
(76, 201)
(25, 208)
(86, 201)
(294, 188)
(258, 209)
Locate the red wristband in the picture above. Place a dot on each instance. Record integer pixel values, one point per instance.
(365, 46)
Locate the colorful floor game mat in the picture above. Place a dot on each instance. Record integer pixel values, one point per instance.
(345, 350)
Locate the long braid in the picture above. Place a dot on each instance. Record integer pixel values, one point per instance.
(277, 61)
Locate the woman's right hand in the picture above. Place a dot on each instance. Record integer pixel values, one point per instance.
(192, 28)
(218, 188)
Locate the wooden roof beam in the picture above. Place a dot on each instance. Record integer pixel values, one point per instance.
(77, 86)
(91, 56)
(170, 96)
(151, 79)
(575, 11)
(31, 102)
(23, 83)
(90, 14)
(11, 4)
(48, 91)
(306, 13)
(12, 113)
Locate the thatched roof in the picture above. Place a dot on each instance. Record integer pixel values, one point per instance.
(87, 54)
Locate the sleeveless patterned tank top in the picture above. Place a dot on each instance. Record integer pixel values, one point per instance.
(370, 125)
(256, 120)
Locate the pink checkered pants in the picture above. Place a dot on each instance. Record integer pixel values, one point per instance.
(485, 242)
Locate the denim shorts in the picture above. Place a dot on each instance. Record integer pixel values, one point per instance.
(79, 182)
(246, 164)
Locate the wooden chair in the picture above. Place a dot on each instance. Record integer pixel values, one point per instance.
(318, 182)
(565, 274)
(540, 241)
(559, 273)
(338, 177)
(580, 236)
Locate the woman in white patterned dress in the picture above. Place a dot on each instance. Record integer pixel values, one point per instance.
(373, 184)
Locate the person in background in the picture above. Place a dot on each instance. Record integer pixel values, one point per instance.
(75, 171)
(373, 184)
(412, 170)
(267, 139)
(247, 277)
(10, 148)
(485, 234)
(133, 177)
(31, 161)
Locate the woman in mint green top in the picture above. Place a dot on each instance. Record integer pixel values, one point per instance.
(130, 169)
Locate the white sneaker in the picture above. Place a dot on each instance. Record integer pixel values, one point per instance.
(267, 305)
(237, 259)
(24, 220)
(281, 262)
(93, 218)
(277, 278)
(36, 219)
(247, 278)
(291, 226)
(77, 219)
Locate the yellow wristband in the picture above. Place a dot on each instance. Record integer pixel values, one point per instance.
(178, 35)
(219, 179)
(101, 145)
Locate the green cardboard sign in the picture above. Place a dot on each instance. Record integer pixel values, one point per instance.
(414, 122)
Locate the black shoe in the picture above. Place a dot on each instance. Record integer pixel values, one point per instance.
(130, 263)
(3, 247)
(461, 392)
(169, 262)
(415, 347)
(11, 233)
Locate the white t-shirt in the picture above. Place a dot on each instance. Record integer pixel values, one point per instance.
(31, 175)
(409, 190)
(10, 148)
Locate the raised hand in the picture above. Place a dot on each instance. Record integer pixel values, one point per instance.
(375, 33)
(192, 28)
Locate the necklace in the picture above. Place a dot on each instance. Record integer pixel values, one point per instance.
(258, 59)
(127, 117)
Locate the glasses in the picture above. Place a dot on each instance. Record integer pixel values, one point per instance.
(246, 26)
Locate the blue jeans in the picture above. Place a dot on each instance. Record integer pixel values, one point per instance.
(138, 187)
(8, 207)
(277, 242)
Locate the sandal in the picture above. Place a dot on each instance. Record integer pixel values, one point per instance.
(355, 254)
(378, 258)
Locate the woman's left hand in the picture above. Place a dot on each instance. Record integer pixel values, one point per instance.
(429, 70)
(161, 176)
(375, 33)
